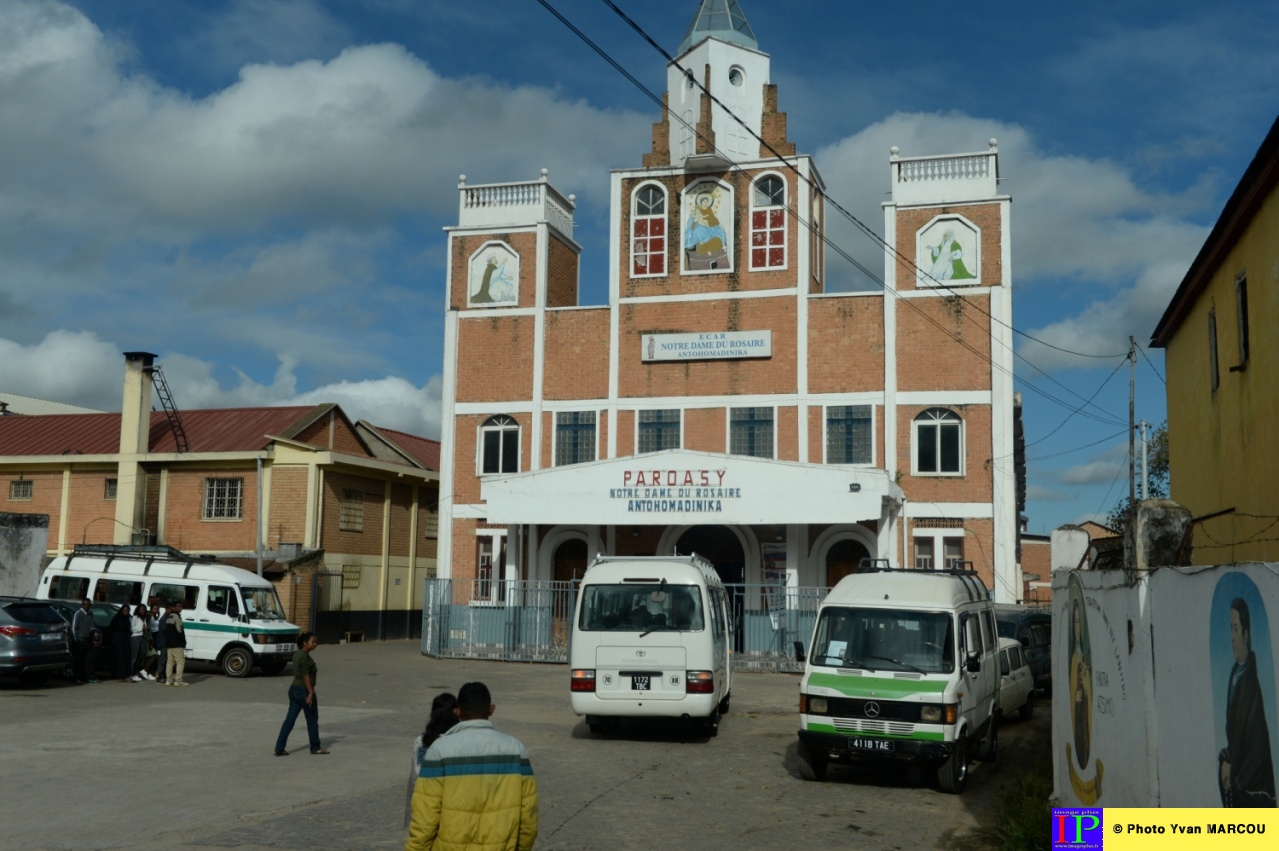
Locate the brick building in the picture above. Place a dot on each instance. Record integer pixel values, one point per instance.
(337, 497)
(724, 401)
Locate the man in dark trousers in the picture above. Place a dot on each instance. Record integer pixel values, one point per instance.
(476, 787)
(175, 643)
(82, 644)
(1245, 772)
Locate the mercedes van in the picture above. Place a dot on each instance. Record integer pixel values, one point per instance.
(231, 617)
(903, 666)
(650, 639)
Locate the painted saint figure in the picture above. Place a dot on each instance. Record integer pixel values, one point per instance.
(705, 240)
(1080, 681)
(495, 286)
(948, 259)
(1245, 773)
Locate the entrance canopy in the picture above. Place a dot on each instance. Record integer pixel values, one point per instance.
(691, 488)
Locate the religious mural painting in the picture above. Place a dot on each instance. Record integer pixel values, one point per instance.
(493, 276)
(1079, 680)
(708, 227)
(948, 253)
(1243, 693)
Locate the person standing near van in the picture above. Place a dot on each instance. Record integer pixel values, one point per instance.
(137, 642)
(476, 787)
(82, 643)
(302, 697)
(155, 622)
(118, 637)
(175, 643)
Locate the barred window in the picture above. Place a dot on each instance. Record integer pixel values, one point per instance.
(574, 437)
(351, 510)
(848, 434)
(223, 499)
(750, 432)
(658, 430)
(21, 489)
(109, 489)
(350, 576)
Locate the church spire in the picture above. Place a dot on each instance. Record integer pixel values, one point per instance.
(721, 19)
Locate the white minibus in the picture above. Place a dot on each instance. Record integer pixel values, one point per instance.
(231, 617)
(650, 638)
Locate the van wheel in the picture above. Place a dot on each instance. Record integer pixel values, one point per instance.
(1027, 710)
(271, 669)
(710, 724)
(953, 773)
(812, 764)
(237, 662)
(989, 750)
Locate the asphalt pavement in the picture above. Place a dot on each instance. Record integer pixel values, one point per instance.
(119, 765)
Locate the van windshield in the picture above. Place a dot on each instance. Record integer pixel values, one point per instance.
(641, 608)
(885, 639)
(262, 604)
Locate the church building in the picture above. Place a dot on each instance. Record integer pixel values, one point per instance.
(724, 401)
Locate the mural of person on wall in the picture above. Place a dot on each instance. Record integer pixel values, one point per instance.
(1080, 674)
(495, 285)
(705, 240)
(1245, 771)
(947, 259)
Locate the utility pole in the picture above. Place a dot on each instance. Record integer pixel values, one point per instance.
(1132, 424)
(1145, 446)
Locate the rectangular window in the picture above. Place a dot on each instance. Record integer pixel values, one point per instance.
(21, 489)
(750, 432)
(848, 434)
(223, 600)
(68, 588)
(1241, 306)
(923, 553)
(953, 553)
(350, 576)
(768, 239)
(109, 489)
(169, 592)
(223, 499)
(574, 437)
(119, 591)
(351, 510)
(490, 559)
(500, 445)
(431, 521)
(658, 430)
(1213, 374)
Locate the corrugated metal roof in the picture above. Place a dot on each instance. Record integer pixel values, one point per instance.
(28, 406)
(422, 449)
(217, 430)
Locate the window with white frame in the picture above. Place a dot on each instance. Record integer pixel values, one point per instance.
(574, 437)
(849, 434)
(223, 498)
(658, 430)
(768, 223)
(924, 553)
(648, 231)
(22, 489)
(928, 546)
(750, 432)
(939, 441)
(490, 560)
(351, 510)
(500, 445)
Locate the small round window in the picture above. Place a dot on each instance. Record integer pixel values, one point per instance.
(735, 76)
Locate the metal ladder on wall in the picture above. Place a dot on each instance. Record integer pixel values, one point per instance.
(170, 409)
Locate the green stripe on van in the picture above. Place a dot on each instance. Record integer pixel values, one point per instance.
(885, 687)
(917, 736)
(217, 627)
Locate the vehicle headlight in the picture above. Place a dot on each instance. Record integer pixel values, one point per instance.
(818, 705)
(930, 713)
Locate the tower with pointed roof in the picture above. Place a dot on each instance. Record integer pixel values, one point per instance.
(726, 400)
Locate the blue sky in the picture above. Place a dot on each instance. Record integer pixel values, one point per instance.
(255, 189)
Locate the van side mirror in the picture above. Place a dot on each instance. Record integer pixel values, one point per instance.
(973, 663)
(799, 652)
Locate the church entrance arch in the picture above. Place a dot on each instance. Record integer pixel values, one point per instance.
(568, 562)
(839, 550)
(722, 546)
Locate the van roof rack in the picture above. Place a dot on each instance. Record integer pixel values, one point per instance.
(971, 579)
(138, 550)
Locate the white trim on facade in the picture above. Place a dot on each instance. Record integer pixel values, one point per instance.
(788, 292)
(950, 510)
(944, 398)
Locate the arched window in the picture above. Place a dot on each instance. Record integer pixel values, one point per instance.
(648, 231)
(939, 443)
(768, 223)
(500, 445)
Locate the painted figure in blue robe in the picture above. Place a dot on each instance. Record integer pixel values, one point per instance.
(704, 234)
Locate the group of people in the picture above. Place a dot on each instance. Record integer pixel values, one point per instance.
(140, 637)
(470, 786)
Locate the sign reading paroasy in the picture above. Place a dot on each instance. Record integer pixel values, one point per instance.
(710, 345)
(645, 491)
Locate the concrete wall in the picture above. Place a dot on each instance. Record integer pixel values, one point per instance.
(23, 541)
(1140, 700)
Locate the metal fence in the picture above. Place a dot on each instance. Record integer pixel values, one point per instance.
(529, 621)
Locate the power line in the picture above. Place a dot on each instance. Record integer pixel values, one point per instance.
(1153, 368)
(1081, 407)
(1078, 448)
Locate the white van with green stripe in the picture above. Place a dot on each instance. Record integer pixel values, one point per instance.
(230, 616)
(902, 667)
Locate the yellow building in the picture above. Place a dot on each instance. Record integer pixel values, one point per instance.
(1223, 375)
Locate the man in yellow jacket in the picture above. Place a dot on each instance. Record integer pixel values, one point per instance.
(476, 788)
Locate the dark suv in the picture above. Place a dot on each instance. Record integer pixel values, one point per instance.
(103, 653)
(1033, 628)
(34, 643)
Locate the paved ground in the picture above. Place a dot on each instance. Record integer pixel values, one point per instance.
(141, 766)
